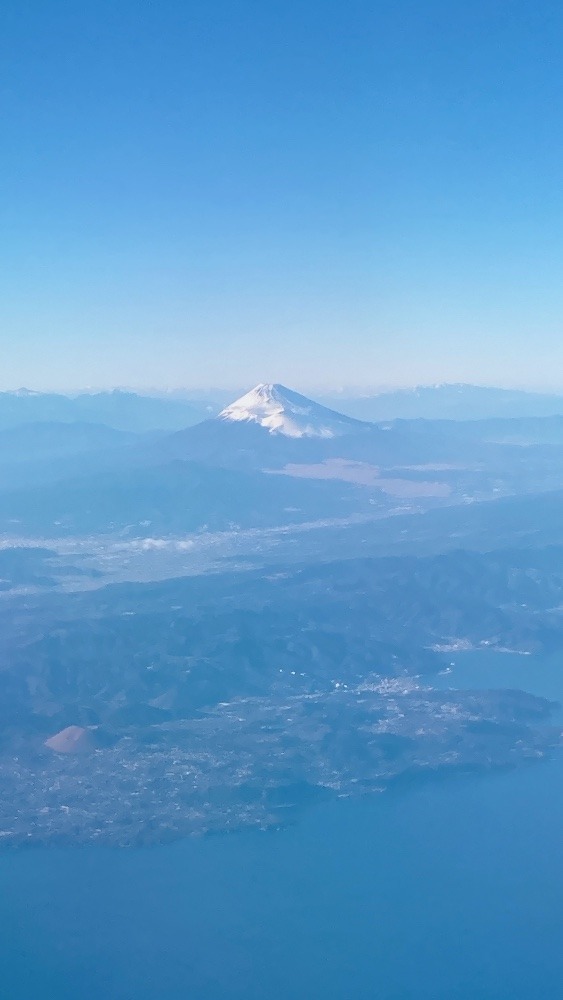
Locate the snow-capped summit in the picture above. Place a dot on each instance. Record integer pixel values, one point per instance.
(24, 393)
(281, 411)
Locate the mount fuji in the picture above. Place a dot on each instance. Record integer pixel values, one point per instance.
(266, 428)
(280, 410)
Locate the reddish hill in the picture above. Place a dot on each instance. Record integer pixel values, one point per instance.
(73, 739)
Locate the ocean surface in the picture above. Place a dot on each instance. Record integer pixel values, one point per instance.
(446, 889)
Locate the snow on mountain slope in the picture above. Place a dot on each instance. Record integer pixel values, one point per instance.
(281, 411)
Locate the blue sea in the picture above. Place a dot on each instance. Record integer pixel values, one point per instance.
(446, 889)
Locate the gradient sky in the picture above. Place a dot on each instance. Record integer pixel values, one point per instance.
(317, 192)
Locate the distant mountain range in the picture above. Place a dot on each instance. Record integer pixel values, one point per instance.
(446, 402)
(326, 416)
(123, 411)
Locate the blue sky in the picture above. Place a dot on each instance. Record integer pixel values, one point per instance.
(319, 193)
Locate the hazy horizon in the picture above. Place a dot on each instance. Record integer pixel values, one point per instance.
(326, 389)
